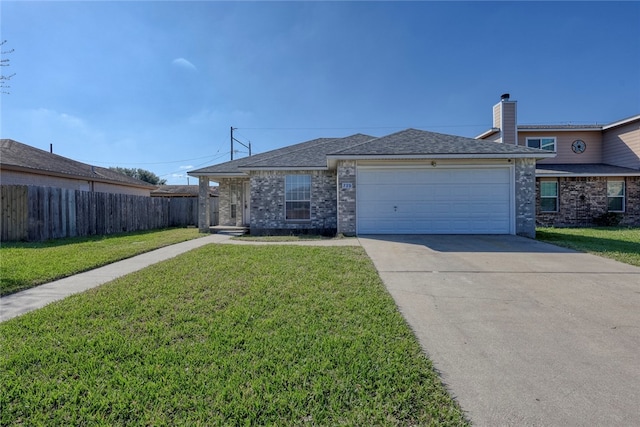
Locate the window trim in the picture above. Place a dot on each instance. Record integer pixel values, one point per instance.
(301, 200)
(540, 138)
(622, 196)
(556, 198)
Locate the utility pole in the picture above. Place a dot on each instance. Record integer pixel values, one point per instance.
(231, 142)
(239, 142)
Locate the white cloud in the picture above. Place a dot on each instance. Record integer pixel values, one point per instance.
(187, 167)
(183, 63)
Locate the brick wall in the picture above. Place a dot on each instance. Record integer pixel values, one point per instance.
(268, 204)
(525, 172)
(347, 197)
(582, 201)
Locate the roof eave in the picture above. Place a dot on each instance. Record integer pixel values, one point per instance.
(218, 174)
(487, 133)
(333, 159)
(557, 174)
(96, 178)
(576, 129)
(282, 168)
(621, 122)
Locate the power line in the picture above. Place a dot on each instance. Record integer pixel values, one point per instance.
(145, 163)
(361, 127)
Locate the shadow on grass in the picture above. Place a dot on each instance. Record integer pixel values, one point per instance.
(75, 240)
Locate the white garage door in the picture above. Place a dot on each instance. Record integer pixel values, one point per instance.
(433, 200)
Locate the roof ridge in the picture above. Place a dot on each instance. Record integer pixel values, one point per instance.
(325, 142)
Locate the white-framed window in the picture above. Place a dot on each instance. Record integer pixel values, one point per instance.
(549, 196)
(234, 199)
(297, 197)
(615, 196)
(547, 143)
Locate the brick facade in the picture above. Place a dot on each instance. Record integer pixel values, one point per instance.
(333, 201)
(582, 201)
(525, 173)
(268, 204)
(347, 197)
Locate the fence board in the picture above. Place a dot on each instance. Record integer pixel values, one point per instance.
(42, 213)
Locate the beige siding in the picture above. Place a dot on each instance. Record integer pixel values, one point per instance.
(24, 178)
(497, 109)
(593, 153)
(508, 127)
(621, 146)
(103, 187)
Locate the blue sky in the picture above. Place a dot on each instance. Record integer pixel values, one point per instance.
(157, 85)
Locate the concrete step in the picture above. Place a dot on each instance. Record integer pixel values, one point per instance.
(229, 230)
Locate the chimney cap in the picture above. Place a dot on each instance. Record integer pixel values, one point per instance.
(504, 97)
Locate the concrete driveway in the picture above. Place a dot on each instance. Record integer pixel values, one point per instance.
(523, 333)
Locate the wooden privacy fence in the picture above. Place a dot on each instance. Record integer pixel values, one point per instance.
(32, 213)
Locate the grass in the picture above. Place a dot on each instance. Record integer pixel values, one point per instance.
(225, 335)
(24, 265)
(286, 238)
(620, 244)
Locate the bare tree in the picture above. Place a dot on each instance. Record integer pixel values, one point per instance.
(4, 62)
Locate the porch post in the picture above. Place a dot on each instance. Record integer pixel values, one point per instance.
(204, 219)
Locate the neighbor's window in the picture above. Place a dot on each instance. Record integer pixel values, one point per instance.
(548, 144)
(615, 196)
(297, 197)
(549, 196)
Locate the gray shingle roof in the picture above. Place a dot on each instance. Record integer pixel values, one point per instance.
(311, 156)
(14, 154)
(413, 142)
(305, 154)
(409, 142)
(592, 169)
(181, 191)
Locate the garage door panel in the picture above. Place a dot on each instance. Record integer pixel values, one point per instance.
(437, 201)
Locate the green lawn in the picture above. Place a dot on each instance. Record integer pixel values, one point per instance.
(225, 335)
(621, 244)
(24, 265)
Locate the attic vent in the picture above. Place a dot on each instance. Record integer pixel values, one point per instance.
(505, 97)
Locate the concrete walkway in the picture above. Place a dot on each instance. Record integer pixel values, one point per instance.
(523, 333)
(31, 299)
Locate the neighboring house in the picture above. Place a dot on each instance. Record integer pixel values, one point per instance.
(594, 179)
(21, 164)
(409, 182)
(181, 191)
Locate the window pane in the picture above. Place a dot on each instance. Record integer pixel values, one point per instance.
(548, 144)
(548, 189)
(297, 187)
(615, 188)
(616, 204)
(533, 143)
(298, 210)
(548, 205)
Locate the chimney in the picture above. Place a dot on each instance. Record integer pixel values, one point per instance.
(51, 148)
(505, 119)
